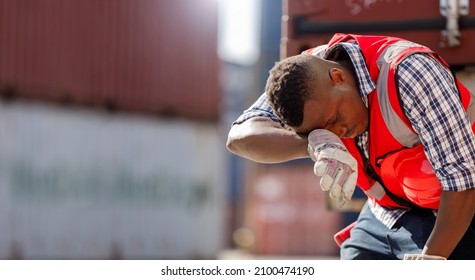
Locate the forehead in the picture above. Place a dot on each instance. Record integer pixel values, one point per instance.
(316, 114)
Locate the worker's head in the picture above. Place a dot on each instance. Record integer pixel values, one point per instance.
(307, 92)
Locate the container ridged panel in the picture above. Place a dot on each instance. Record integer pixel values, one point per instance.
(150, 56)
(310, 23)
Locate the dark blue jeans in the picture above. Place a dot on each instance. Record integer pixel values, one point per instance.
(372, 240)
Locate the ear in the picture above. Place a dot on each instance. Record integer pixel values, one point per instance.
(337, 76)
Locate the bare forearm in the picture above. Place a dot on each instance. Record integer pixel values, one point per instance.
(262, 140)
(455, 213)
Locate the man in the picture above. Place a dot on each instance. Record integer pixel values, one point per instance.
(370, 107)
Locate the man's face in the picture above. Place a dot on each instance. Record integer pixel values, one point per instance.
(341, 111)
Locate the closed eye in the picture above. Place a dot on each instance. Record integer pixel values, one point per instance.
(334, 120)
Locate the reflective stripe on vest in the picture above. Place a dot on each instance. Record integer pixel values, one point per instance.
(398, 128)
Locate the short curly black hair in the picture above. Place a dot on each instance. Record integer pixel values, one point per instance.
(290, 83)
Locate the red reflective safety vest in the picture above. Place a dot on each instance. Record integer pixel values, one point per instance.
(390, 130)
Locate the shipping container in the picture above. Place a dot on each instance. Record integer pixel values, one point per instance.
(447, 27)
(285, 212)
(83, 184)
(151, 56)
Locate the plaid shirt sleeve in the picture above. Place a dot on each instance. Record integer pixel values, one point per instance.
(430, 98)
(260, 108)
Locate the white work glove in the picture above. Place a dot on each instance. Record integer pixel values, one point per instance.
(422, 256)
(334, 164)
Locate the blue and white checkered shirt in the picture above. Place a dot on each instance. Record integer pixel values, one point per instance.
(430, 100)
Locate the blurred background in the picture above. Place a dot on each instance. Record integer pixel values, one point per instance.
(114, 116)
